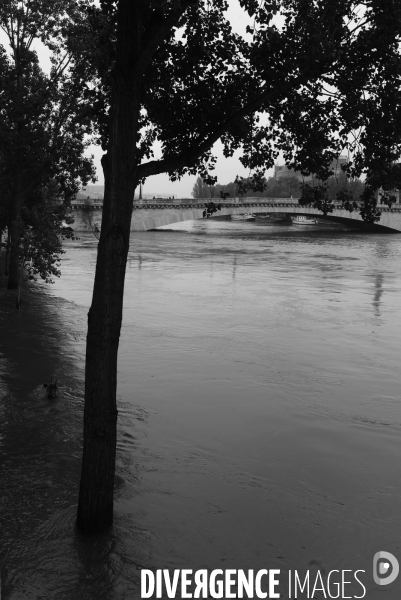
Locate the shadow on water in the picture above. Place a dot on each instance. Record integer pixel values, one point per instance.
(41, 553)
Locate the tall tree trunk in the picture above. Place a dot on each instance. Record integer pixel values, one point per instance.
(95, 505)
(15, 232)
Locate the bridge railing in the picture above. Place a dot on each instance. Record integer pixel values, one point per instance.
(186, 202)
(203, 201)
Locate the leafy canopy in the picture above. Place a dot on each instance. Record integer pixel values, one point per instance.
(317, 77)
(45, 127)
(43, 122)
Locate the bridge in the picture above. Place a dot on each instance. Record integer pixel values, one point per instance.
(150, 214)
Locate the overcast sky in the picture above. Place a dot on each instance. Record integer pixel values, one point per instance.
(226, 168)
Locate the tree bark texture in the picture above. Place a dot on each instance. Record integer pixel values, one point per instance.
(95, 505)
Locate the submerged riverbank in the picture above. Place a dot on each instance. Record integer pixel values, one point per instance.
(258, 411)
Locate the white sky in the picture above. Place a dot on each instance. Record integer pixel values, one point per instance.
(226, 168)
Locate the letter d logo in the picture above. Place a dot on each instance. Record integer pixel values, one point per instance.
(385, 568)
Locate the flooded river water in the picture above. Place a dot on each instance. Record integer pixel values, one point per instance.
(259, 411)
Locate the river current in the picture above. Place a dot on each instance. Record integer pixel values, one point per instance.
(259, 411)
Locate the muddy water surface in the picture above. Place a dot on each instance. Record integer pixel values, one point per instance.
(259, 411)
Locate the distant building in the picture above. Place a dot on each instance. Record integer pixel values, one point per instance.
(337, 163)
(282, 171)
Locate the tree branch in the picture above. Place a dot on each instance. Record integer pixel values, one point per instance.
(59, 70)
(190, 156)
(28, 6)
(158, 33)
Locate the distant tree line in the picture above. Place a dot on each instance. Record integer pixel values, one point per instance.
(284, 187)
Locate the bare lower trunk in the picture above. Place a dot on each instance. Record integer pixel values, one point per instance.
(95, 505)
(95, 508)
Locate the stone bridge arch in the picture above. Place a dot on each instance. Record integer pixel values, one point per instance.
(150, 214)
